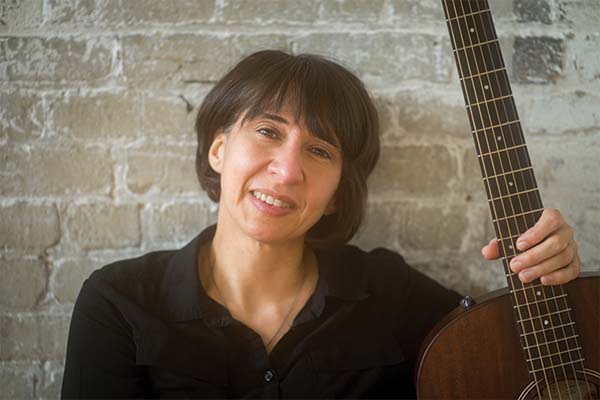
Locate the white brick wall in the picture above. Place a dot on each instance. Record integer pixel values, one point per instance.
(98, 98)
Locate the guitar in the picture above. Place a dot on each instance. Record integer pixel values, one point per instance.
(476, 352)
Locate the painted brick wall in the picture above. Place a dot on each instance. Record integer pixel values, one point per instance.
(98, 97)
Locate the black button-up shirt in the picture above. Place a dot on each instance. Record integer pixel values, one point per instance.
(145, 327)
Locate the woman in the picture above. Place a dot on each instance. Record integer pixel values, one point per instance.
(270, 301)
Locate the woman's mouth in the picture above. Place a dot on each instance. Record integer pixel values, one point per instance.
(273, 201)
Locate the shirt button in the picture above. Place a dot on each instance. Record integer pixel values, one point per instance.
(268, 376)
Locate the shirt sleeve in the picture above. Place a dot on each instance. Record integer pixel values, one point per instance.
(100, 360)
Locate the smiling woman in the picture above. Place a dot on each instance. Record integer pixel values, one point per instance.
(271, 301)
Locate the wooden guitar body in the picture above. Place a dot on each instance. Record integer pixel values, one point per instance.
(476, 353)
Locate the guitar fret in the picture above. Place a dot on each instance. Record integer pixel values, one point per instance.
(558, 365)
(509, 172)
(540, 301)
(544, 315)
(490, 100)
(512, 194)
(496, 126)
(467, 15)
(535, 332)
(552, 355)
(517, 215)
(483, 73)
(501, 150)
(476, 45)
(556, 341)
(525, 288)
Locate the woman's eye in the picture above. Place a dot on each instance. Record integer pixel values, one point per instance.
(269, 133)
(319, 152)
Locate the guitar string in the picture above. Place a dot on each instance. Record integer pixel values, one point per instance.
(482, 50)
(483, 164)
(536, 195)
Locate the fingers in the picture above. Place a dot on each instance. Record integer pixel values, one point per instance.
(558, 269)
(563, 275)
(491, 250)
(548, 248)
(550, 221)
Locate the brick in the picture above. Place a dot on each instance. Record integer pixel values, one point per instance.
(55, 59)
(587, 57)
(33, 337)
(566, 112)
(416, 170)
(129, 13)
(60, 171)
(433, 228)
(100, 226)
(168, 117)
(20, 14)
(566, 166)
(69, 276)
(161, 172)
(21, 116)
(582, 14)
(422, 9)
(175, 223)
(28, 227)
(178, 58)
(353, 11)
(23, 282)
(533, 11)
(17, 380)
(537, 59)
(392, 57)
(426, 116)
(266, 11)
(51, 382)
(415, 227)
(98, 116)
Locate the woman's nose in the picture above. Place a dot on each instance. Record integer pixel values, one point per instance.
(286, 165)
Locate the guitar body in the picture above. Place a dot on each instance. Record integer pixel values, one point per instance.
(476, 353)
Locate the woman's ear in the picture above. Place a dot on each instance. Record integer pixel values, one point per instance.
(216, 152)
(330, 209)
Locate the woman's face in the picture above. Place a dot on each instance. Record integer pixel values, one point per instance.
(277, 180)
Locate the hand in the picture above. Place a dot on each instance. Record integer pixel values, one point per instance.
(549, 251)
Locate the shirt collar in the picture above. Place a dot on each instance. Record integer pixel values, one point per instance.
(183, 298)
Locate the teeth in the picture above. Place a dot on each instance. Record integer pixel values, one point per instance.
(270, 200)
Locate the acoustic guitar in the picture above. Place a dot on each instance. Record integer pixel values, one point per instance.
(476, 352)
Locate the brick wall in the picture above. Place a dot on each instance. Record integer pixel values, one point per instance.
(98, 97)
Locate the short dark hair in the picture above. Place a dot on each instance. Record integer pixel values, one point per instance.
(332, 102)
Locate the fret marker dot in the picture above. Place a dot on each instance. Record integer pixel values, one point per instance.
(510, 183)
(545, 322)
(472, 30)
(486, 87)
(538, 293)
(510, 246)
(499, 138)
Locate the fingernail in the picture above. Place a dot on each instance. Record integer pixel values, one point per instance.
(515, 265)
(525, 276)
(521, 244)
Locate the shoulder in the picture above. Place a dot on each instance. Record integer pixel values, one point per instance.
(389, 278)
(382, 267)
(135, 280)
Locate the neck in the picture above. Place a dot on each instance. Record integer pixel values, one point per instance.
(250, 275)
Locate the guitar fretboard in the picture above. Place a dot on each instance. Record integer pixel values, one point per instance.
(547, 331)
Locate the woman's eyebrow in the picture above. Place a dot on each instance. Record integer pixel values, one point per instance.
(274, 117)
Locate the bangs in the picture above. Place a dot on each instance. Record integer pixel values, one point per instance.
(319, 96)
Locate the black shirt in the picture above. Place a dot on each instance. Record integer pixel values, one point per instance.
(145, 327)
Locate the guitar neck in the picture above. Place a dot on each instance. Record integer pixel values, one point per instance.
(547, 332)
